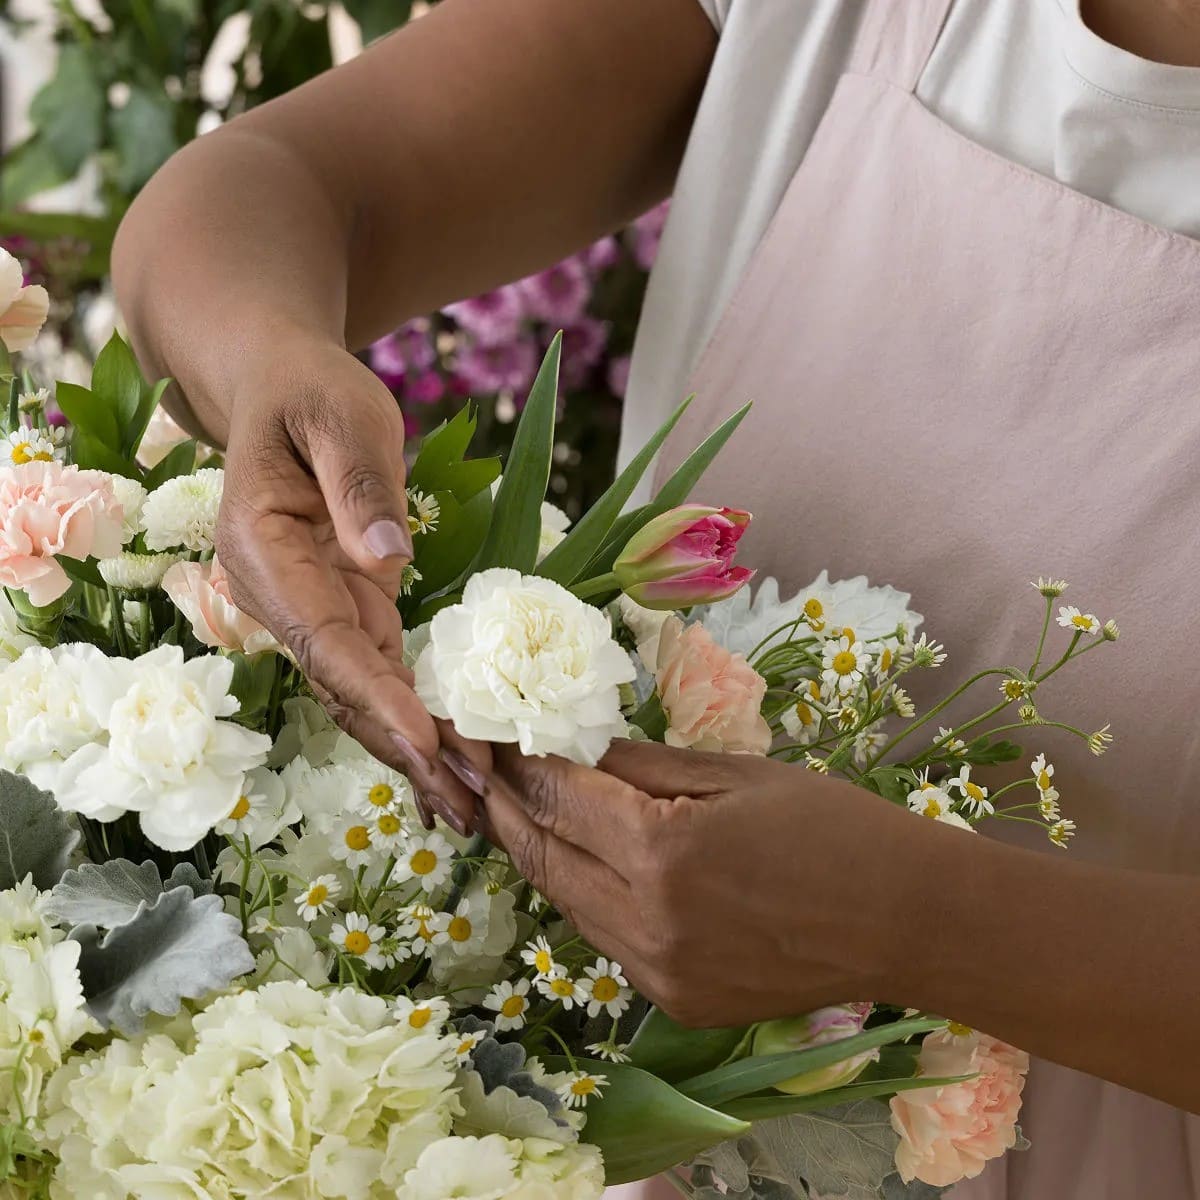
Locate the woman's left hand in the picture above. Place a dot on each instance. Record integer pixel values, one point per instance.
(730, 888)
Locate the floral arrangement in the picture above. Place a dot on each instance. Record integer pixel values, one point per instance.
(237, 963)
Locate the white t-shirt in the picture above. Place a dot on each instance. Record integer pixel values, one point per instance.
(1025, 78)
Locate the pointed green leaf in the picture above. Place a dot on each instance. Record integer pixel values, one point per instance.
(764, 1108)
(118, 384)
(443, 555)
(441, 465)
(36, 836)
(643, 1125)
(147, 403)
(91, 453)
(567, 560)
(179, 460)
(82, 571)
(516, 526)
(666, 1049)
(87, 412)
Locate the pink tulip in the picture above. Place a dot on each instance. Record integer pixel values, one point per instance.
(684, 557)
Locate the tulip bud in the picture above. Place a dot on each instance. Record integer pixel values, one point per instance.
(817, 1029)
(684, 557)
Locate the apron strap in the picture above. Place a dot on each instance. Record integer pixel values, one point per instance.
(896, 38)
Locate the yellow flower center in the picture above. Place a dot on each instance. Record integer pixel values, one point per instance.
(562, 987)
(584, 1087)
(543, 961)
(804, 713)
(1014, 689)
(420, 1017)
(423, 930)
(933, 808)
(848, 634)
(381, 795)
(37, 1036)
(814, 610)
(1082, 622)
(414, 523)
(318, 894)
(844, 662)
(514, 1006)
(358, 837)
(388, 824)
(423, 862)
(240, 809)
(357, 942)
(1043, 780)
(974, 791)
(959, 1030)
(465, 1046)
(605, 989)
(459, 929)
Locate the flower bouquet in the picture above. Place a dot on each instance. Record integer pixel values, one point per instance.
(234, 963)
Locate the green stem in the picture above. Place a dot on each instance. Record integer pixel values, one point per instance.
(595, 587)
(1037, 658)
(117, 614)
(145, 627)
(680, 1184)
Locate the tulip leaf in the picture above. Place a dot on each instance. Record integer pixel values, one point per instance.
(36, 837)
(441, 465)
(643, 1125)
(565, 563)
(444, 554)
(750, 1075)
(763, 1108)
(82, 570)
(117, 384)
(666, 1049)
(111, 894)
(515, 531)
(894, 1188)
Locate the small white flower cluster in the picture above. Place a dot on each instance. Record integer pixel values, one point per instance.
(182, 513)
(31, 444)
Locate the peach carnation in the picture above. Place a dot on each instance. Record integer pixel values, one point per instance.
(47, 509)
(712, 698)
(23, 310)
(950, 1133)
(201, 591)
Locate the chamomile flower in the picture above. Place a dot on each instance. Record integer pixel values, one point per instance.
(885, 663)
(462, 930)
(539, 955)
(902, 703)
(843, 665)
(510, 1002)
(33, 401)
(928, 799)
(1048, 805)
(926, 653)
(467, 1042)
(813, 763)
(559, 985)
(1100, 741)
(380, 789)
(350, 841)
(317, 899)
(26, 445)
(408, 578)
(947, 742)
(1029, 714)
(427, 859)
(423, 512)
(420, 1014)
(814, 614)
(425, 926)
(388, 832)
(606, 988)
(359, 939)
(868, 743)
(1050, 588)
(581, 1087)
(1111, 631)
(1043, 773)
(609, 1051)
(1061, 832)
(1069, 617)
(1015, 689)
(800, 721)
(974, 796)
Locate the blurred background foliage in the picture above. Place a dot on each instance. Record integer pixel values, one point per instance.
(136, 79)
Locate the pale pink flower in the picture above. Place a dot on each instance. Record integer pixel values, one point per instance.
(492, 318)
(200, 590)
(47, 509)
(646, 235)
(950, 1133)
(618, 375)
(23, 310)
(559, 294)
(712, 698)
(602, 255)
(162, 435)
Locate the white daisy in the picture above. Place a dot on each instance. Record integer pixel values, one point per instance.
(423, 511)
(1069, 617)
(183, 511)
(467, 1042)
(843, 664)
(33, 401)
(388, 832)
(610, 1051)
(1100, 741)
(1043, 772)
(800, 721)
(975, 797)
(427, 859)
(947, 742)
(1048, 805)
(26, 445)
(350, 841)
(463, 929)
(408, 577)
(928, 799)
(425, 926)
(377, 789)
(925, 653)
(510, 1002)
(868, 743)
(317, 899)
(359, 939)
(581, 1087)
(540, 956)
(1061, 832)
(561, 987)
(1050, 588)
(607, 989)
(902, 703)
(421, 1014)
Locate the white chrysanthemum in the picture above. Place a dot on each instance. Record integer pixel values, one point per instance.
(164, 750)
(522, 660)
(262, 810)
(183, 511)
(136, 572)
(131, 496)
(14, 641)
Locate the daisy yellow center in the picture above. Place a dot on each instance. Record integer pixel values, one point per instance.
(885, 660)
(804, 713)
(357, 942)
(240, 809)
(1014, 689)
(605, 989)
(465, 1046)
(1043, 780)
(959, 1030)
(974, 791)
(814, 689)
(381, 795)
(423, 862)
(844, 662)
(36, 1036)
(1081, 622)
(414, 523)
(514, 1006)
(23, 454)
(358, 837)
(583, 1087)
(459, 929)
(388, 825)
(318, 894)
(562, 987)
(419, 1018)
(814, 610)
(543, 961)
(423, 930)
(933, 808)
(848, 634)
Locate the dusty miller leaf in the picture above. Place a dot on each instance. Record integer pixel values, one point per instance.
(110, 894)
(894, 1188)
(36, 836)
(180, 947)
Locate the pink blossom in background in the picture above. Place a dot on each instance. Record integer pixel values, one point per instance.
(426, 388)
(388, 362)
(55, 416)
(950, 1133)
(412, 425)
(584, 343)
(618, 375)
(200, 590)
(492, 318)
(409, 348)
(559, 295)
(646, 235)
(602, 255)
(486, 370)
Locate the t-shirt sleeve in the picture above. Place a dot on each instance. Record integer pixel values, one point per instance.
(717, 10)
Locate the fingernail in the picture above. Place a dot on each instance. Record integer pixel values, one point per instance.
(448, 814)
(466, 771)
(415, 758)
(478, 820)
(388, 539)
(424, 811)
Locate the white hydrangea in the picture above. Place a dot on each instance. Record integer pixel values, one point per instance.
(159, 746)
(131, 496)
(130, 572)
(289, 1090)
(14, 641)
(183, 511)
(522, 660)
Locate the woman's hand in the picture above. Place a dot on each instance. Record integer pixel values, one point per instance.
(731, 888)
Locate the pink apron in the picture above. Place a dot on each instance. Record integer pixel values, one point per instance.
(967, 375)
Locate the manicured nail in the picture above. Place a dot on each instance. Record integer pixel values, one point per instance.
(466, 771)
(388, 539)
(416, 759)
(424, 811)
(448, 814)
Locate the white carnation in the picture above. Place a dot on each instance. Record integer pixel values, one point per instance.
(555, 524)
(183, 511)
(130, 496)
(136, 572)
(14, 641)
(522, 660)
(162, 748)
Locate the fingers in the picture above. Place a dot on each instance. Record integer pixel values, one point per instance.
(666, 772)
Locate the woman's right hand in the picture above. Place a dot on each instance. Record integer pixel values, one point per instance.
(314, 536)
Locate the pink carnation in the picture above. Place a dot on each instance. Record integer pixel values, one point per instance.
(486, 370)
(559, 294)
(950, 1133)
(47, 509)
(200, 590)
(712, 698)
(492, 318)
(23, 308)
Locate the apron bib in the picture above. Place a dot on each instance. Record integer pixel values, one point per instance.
(966, 375)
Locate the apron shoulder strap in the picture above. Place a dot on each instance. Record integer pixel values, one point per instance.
(896, 38)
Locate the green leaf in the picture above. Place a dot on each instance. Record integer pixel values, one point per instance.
(93, 235)
(749, 1075)
(378, 17)
(117, 383)
(179, 460)
(983, 752)
(763, 1108)
(68, 112)
(442, 556)
(147, 403)
(516, 527)
(88, 413)
(82, 571)
(892, 783)
(666, 1049)
(91, 453)
(36, 836)
(570, 557)
(253, 678)
(441, 467)
(143, 132)
(643, 1125)
(26, 171)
